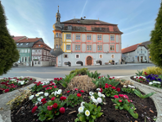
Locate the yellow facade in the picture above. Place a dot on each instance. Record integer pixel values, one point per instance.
(66, 42)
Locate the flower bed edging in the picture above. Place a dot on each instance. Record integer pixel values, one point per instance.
(5, 112)
(157, 97)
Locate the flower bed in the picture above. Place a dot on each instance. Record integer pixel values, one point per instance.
(49, 101)
(10, 84)
(151, 80)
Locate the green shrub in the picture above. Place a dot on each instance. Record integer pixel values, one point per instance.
(93, 75)
(8, 52)
(82, 71)
(153, 70)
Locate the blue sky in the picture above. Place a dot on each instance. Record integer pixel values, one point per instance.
(35, 18)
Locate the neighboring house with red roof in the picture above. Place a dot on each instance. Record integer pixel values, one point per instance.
(136, 53)
(25, 46)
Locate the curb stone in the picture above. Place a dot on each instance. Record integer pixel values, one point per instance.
(157, 97)
(5, 112)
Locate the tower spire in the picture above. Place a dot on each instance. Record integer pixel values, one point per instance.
(58, 9)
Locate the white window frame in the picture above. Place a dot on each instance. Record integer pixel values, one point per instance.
(99, 47)
(112, 38)
(68, 48)
(89, 47)
(77, 36)
(110, 48)
(99, 37)
(68, 36)
(88, 37)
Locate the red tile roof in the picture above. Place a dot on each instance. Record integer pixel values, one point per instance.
(130, 49)
(42, 45)
(29, 40)
(17, 38)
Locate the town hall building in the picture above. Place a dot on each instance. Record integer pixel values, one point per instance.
(86, 42)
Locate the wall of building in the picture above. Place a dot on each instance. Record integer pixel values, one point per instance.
(106, 57)
(137, 55)
(66, 42)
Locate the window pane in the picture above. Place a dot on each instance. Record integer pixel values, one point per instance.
(68, 36)
(67, 47)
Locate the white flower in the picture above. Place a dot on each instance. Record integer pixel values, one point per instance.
(46, 94)
(12, 79)
(39, 99)
(55, 93)
(82, 103)
(87, 113)
(21, 77)
(37, 95)
(133, 87)
(98, 89)
(81, 109)
(91, 93)
(99, 94)
(95, 101)
(59, 91)
(92, 97)
(40, 93)
(31, 97)
(124, 86)
(150, 83)
(99, 100)
(21, 82)
(103, 95)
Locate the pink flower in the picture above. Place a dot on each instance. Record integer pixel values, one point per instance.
(53, 98)
(68, 91)
(120, 95)
(62, 110)
(106, 86)
(125, 96)
(110, 85)
(116, 96)
(113, 87)
(76, 89)
(55, 105)
(118, 89)
(82, 91)
(79, 95)
(49, 108)
(120, 101)
(34, 109)
(55, 86)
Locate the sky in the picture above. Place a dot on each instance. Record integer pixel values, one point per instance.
(35, 18)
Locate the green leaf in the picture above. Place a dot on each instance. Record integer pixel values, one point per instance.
(76, 120)
(99, 114)
(42, 118)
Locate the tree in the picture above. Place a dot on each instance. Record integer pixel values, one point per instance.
(8, 52)
(156, 41)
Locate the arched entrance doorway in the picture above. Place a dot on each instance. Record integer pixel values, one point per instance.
(89, 60)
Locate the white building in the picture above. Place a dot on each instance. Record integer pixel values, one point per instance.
(136, 53)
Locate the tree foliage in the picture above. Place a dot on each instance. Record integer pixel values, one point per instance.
(156, 41)
(8, 52)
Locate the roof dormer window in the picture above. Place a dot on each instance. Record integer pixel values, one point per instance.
(69, 27)
(78, 21)
(27, 43)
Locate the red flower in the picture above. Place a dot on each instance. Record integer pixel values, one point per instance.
(31, 79)
(62, 110)
(6, 90)
(99, 77)
(116, 96)
(34, 109)
(62, 98)
(110, 85)
(120, 101)
(53, 98)
(44, 86)
(49, 108)
(82, 91)
(79, 95)
(55, 78)
(129, 101)
(106, 86)
(76, 89)
(43, 100)
(113, 87)
(120, 95)
(60, 78)
(55, 105)
(110, 78)
(55, 86)
(100, 90)
(51, 84)
(118, 89)
(68, 91)
(113, 77)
